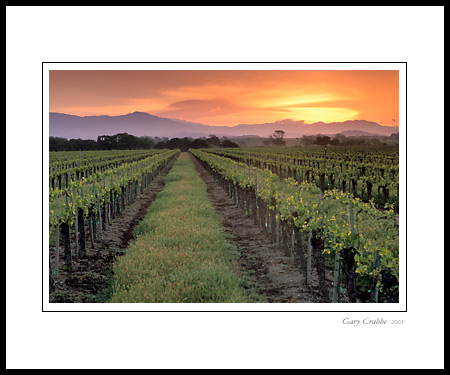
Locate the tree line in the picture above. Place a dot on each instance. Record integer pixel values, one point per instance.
(125, 141)
(277, 139)
(342, 140)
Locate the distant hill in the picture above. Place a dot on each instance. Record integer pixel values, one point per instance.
(136, 123)
(298, 128)
(356, 133)
(145, 124)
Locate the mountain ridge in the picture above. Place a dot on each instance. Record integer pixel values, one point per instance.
(145, 124)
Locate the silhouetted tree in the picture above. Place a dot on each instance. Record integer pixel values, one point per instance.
(119, 141)
(161, 145)
(277, 138)
(267, 142)
(63, 144)
(199, 143)
(228, 143)
(146, 142)
(322, 140)
(184, 144)
(123, 141)
(57, 143)
(213, 141)
(307, 140)
(335, 142)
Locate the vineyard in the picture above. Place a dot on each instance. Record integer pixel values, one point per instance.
(332, 213)
(319, 207)
(88, 190)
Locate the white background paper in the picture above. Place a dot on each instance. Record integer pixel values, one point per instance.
(277, 340)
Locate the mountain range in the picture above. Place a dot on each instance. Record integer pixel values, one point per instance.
(144, 124)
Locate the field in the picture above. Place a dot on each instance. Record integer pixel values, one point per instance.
(259, 225)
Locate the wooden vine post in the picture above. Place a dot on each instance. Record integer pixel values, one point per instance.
(337, 262)
(76, 233)
(349, 263)
(308, 260)
(66, 242)
(57, 247)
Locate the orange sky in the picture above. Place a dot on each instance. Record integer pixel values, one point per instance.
(230, 97)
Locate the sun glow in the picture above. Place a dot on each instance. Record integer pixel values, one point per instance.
(230, 97)
(324, 114)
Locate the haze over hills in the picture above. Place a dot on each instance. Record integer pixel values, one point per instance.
(144, 124)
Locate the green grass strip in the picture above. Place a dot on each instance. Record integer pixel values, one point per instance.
(180, 253)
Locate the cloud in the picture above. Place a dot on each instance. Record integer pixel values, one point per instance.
(194, 109)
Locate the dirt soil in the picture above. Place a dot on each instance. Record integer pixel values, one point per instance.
(89, 279)
(277, 276)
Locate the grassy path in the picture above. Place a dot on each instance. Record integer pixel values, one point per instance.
(180, 253)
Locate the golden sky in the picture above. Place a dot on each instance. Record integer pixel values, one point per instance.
(230, 97)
